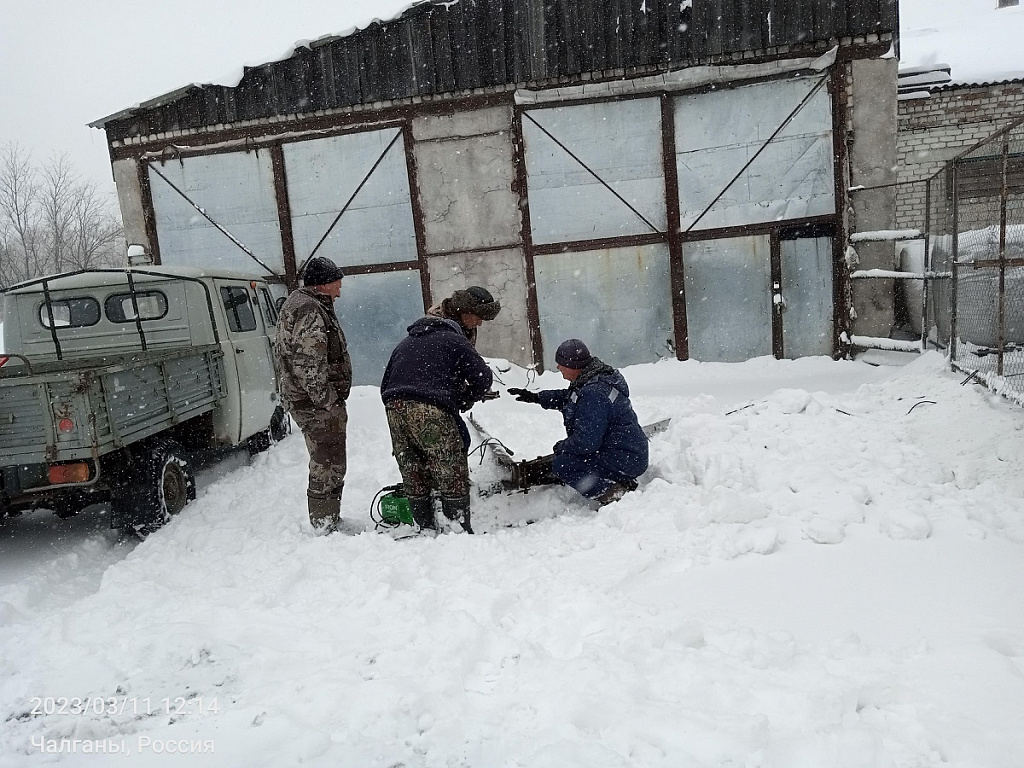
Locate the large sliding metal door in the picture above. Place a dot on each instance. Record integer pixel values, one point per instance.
(271, 208)
(704, 215)
(759, 295)
(350, 200)
(595, 174)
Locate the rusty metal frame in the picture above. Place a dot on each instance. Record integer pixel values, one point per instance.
(219, 227)
(358, 189)
(526, 234)
(677, 281)
(775, 290)
(284, 216)
(1003, 195)
(418, 225)
(588, 169)
(782, 126)
(841, 287)
(926, 262)
(674, 237)
(148, 211)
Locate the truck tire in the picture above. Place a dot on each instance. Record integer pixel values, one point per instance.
(164, 486)
(259, 442)
(275, 433)
(279, 425)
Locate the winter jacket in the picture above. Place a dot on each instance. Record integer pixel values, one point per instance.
(436, 364)
(310, 353)
(599, 420)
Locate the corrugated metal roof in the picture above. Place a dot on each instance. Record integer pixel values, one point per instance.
(439, 47)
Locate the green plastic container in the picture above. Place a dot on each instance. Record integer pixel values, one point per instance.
(394, 509)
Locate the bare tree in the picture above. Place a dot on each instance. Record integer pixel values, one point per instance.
(52, 221)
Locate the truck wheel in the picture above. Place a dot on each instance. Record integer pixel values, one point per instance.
(279, 425)
(275, 433)
(165, 486)
(259, 442)
(174, 485)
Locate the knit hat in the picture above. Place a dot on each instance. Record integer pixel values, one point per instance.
(574, 354)
(321, 271)
(475, 301)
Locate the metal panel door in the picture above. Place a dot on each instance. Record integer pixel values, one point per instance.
(249, 347)
(807, 308)
(728, 298)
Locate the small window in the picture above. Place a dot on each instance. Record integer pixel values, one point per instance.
(270, 311)
(238, 308)
(71, 313)
(119, 308)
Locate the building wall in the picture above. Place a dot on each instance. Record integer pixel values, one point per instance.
(465, 177)
(872, 165)
(129, 196)
(936, 129)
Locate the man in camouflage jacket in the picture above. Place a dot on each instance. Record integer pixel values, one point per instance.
(315, 375)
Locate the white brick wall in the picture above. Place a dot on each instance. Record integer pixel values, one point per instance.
(936, 129)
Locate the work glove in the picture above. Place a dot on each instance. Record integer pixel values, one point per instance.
(523, 395)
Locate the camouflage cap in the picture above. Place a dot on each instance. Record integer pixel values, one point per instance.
(476, 301)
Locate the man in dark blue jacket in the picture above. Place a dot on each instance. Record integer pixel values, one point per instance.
(605, 449)
(434, 373)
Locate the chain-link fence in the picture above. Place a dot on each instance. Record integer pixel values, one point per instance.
(976, 233)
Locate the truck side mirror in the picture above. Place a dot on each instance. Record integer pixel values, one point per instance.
(138, 255)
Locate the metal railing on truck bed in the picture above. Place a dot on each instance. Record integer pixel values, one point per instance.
(65, 411)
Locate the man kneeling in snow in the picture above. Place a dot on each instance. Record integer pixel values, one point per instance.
(605, 449)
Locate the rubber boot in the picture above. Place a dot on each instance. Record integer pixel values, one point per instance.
(324, 513)
(612, 493)
(422, 508)
(457, 511)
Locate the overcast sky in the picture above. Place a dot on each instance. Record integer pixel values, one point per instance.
(65, 63)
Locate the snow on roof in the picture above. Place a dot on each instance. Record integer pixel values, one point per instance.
(980, 42)
(234, 77)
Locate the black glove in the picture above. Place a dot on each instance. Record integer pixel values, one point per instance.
(490, 394)
(523, 395)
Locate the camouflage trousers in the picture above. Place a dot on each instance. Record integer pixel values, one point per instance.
(428, 447)
(324, 431)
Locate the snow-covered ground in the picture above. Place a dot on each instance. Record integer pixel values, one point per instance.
(823, 567)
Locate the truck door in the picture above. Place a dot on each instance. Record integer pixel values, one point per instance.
(250, 346)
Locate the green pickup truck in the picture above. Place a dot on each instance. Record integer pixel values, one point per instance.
(113, 382)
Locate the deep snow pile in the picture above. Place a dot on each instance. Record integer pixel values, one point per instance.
(812, 574)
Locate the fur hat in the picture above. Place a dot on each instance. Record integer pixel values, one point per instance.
(574, 354)
(475, 301)
(321, 271)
